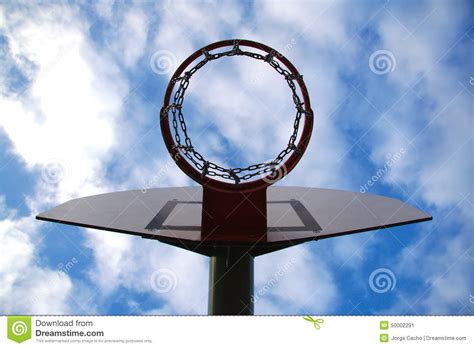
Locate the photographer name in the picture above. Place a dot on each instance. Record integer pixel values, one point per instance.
(427, 338)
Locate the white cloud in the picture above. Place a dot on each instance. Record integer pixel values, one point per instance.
(27, 287)
(109, 258)
(256, 119)
(71, 106)
(436, 167)
(131, 262)
(5, 212)
(104, 8)
(442, 268)
(62, 128)
(71, 110)
(159, 173)
(322, 22)
(293, 280)
(183, 24)
(128, 37)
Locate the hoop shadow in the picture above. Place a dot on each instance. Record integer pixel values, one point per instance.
(307, 220)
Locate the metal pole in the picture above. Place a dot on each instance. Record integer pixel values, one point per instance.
(231, 282)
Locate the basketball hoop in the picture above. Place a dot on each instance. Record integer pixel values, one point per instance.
(233, 222)
(193, 163)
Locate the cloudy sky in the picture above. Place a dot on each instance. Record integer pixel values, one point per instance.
(81, 86)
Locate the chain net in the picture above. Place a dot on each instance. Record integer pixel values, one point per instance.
(209, 168)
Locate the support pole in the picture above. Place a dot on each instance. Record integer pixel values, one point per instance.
(231, 282)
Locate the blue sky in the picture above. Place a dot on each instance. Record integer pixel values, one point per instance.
(81, 87)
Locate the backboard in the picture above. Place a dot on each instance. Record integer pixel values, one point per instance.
(294, 215)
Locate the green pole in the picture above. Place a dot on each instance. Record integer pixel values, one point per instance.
(231, 282)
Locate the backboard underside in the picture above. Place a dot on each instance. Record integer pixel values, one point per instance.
(294, 215)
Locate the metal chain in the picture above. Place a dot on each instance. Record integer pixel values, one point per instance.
(209, 168)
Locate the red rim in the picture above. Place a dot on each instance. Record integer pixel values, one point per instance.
(260, 183)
